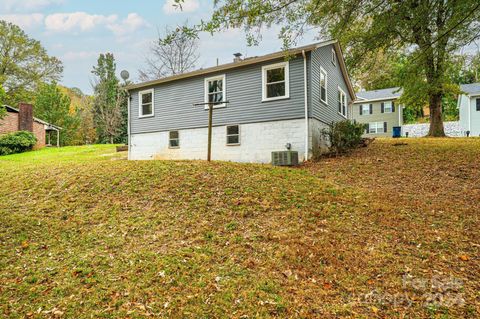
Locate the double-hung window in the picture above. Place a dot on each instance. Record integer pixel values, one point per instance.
(387, 107)
(173, 139)
(233, 135)
(365, 109)
(376, 127)
(323, 85)
(215, 91)
(342, 102)
(146, 103)
(478, 104)
(275, 81)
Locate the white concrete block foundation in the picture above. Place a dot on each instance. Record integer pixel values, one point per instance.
(257, 141)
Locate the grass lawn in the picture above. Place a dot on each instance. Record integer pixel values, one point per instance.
(391, 231)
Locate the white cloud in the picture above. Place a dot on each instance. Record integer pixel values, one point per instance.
(76, 21)
(171, 7)
(24, 21)
(83, 22)
(27, 5)
(130, 24)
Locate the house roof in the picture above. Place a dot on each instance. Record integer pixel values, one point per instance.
(253, 60)
(12, 109)
(471, 89)
(377, 95)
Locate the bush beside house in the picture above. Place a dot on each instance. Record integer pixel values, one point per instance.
(17, 142)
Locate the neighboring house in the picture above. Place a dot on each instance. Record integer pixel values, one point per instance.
(22, 119)
(469, 108)
(269, 102)
(378, 109)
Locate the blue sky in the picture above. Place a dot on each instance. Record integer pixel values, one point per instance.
(77, 31)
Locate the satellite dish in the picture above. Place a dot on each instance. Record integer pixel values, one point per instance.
(125, 75)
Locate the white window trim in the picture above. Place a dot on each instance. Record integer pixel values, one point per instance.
(224, 82)
(169, 139)
(385, 108)
(265, 68)
(363, 110)
(376, 128)
(140, 94)
(346, 104)
(227, 135)
(322, 70)
(334, 57)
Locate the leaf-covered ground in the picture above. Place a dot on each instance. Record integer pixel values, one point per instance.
(391, 231)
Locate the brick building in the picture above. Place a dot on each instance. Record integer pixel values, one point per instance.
(22, 119)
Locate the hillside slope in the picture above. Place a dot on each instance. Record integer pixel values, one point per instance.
(86, 234)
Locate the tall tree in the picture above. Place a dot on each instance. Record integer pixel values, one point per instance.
(24, 64)
(107, 103)
(3, 96)
(53, 106)
(178, 55)
(427, 31)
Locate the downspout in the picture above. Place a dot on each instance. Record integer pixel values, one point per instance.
(305, 87)
(470, 114)
(128, 124)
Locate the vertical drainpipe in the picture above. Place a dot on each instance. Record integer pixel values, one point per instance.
(128, 124)
(306, 102)
(469, 98)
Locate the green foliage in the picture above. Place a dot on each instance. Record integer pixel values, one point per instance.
(53, 106)
(16, 142)
(109, 104)
(427, 32)
(24, 64)
(343, 136)
(3, 111)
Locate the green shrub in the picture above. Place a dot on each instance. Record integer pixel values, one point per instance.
(343, 136)
(16, 142)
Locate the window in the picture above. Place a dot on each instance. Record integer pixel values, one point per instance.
(275, 83)
(342, 102)
(323, 85)
(387, 107)
(173, 139)
(376, 127)
(215, 91)
(478, 104)
(233, 135)
(334, 57)
(365, 109)
(146, 105)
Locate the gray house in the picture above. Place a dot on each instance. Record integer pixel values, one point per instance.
(379, 110)
(469, 108)
(269, 102)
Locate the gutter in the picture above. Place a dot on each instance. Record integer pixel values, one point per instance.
(305, 87)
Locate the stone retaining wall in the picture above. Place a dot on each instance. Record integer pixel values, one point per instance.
(452, 129)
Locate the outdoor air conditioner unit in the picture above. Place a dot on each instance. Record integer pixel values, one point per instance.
(285, 158)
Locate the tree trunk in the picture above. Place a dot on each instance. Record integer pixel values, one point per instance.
(436, 121)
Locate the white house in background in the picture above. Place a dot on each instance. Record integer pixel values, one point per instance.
(469, 108)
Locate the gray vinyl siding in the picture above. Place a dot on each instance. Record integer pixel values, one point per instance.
(173, 101)
(392, 119)
(320, 111)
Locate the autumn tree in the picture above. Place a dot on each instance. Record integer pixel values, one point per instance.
(108, 100)
(53, 106)
(428, 32)
(3, 96)
(24, 64)
(176, 56)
